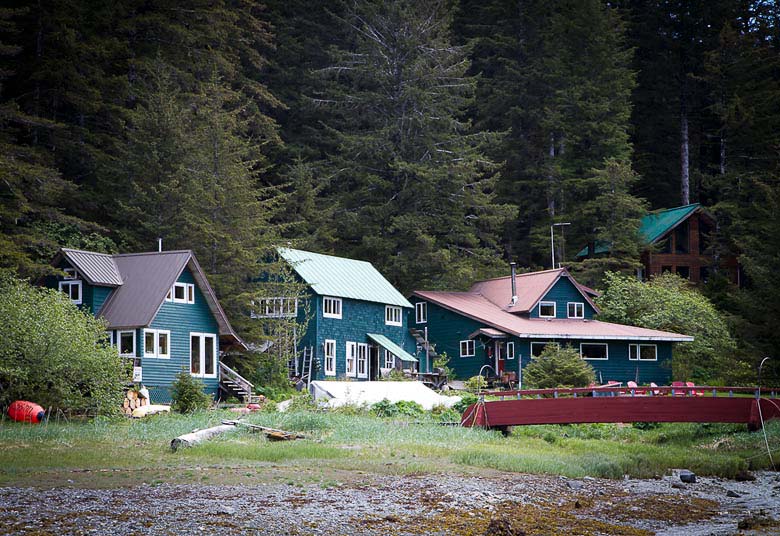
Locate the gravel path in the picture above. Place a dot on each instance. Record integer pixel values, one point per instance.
(402, 505)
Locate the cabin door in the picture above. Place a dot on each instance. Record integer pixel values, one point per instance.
(500, 353)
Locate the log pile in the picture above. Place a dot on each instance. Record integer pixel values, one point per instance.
(133, 400)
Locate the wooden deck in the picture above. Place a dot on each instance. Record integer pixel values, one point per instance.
(616, 404)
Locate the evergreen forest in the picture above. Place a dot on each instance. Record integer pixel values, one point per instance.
(437, 139)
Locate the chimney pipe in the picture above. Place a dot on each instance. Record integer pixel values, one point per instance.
(159, 245)
(513, 266)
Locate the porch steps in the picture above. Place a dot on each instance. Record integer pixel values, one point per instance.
(233, 383)
(419, 336)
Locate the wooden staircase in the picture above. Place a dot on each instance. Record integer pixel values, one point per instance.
(419, 336)
(231, 382)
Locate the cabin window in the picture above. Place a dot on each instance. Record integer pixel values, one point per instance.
(684, 272)
(547, 309)
(421, 312)
(203, 355)
(389, 360)
(594, 350)
(330, 357)
(72, 289)
(70, 274)
(393, 315)
(510, 350)
(126, 343)
(467, 348)
(538, 347)
(351, 359)
(157, 343)
(331, 307)
(362, 360)
(682, 238)
(575, 310)
(666, 269)
(643, 352)
(275, 308)
(183, 293)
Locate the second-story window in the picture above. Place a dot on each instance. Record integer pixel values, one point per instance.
(181, 293)
(393, 315)
(275, 308)
(575, 310)
(421, 312)
(331, 307)
(72, 289)
(547, 309)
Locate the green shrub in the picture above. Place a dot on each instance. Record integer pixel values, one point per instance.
(55, 354)
(302, 402)
(385, 408)
(558, 366)
(475, 384)
(187, 394)
(466, 400)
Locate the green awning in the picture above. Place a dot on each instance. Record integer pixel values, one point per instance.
(392, 347)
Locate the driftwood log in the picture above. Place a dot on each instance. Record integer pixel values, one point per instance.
(272, 434)
(198, 436)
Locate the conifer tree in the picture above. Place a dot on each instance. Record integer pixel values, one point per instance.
(413, 187)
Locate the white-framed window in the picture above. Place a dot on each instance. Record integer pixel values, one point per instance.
(330, 357)
(286, 307)
(594, 350)
(510, 350)
(157, 343)
(643, 352)
(125, 342)
(182, 293)
(421, 312)
(393, 315)
(331, 307)
(203, 355)
(350, 360)
(70, 274)
(362, 360)
(467, 348)
(538, 347)
(547, 309)
(72, 289)
(389, 360)
(575, 310)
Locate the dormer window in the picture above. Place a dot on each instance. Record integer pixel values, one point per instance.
(547, 309)
(72, 289)
(575, 310)
(181, 293)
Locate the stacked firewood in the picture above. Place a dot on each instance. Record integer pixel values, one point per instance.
(133, 400)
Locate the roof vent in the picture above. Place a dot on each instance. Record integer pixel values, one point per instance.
(513, 266)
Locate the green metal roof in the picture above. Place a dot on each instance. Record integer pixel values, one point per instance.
(343, 278)
(657, 224)
(392, 347)
(652, 226)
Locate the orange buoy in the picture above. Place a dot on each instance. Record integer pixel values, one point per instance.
(23, 411)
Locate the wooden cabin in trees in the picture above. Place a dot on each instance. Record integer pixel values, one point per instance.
(678, 241)
(357, 326)
(160, 311)
(503, 322)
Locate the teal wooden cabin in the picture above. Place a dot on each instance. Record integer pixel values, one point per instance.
(500, 324)
(160, 309)
(358, 322)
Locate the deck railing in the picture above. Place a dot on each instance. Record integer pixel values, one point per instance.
(698, 390)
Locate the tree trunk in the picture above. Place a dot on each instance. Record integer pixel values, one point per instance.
(685, 180)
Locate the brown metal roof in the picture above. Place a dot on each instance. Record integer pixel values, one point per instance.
(96, 268)
(146, 279)
(530, 288)
(479, 308)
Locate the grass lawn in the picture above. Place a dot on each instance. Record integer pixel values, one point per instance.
(116, 452)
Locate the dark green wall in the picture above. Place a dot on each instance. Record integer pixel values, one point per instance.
(446, 329)
(561, 293)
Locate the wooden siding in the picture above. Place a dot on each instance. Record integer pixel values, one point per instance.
(446, 329)
(99, 297)
(563, 292)
(357, 319)
(181, 319)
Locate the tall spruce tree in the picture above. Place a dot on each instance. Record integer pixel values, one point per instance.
(413, 187)
(556, 77)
